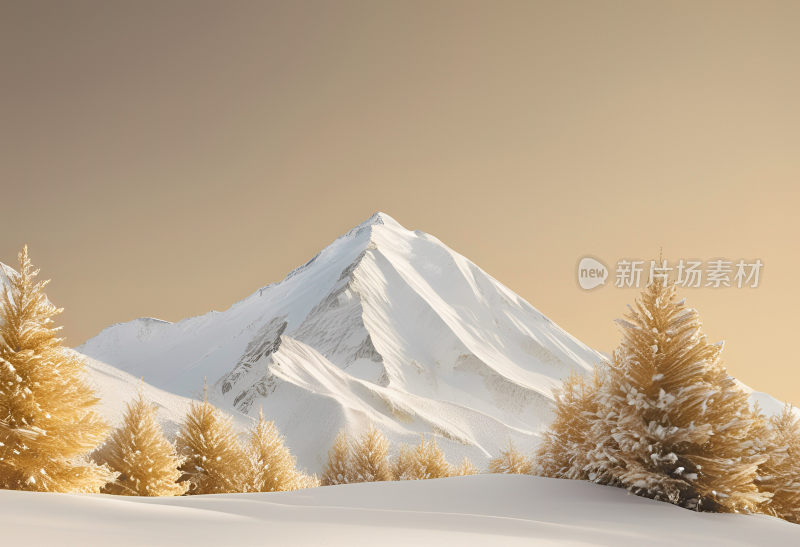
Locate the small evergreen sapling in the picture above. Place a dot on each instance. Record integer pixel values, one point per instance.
(272, 466)
(369, 457)
(339, 469)
(566, 443)
(425, 461)
(403, 463)
(146, 462)
(511, 461)
(466, 467)
(215, 461)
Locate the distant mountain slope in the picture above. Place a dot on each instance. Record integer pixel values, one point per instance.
(117, 388)
(385, 325)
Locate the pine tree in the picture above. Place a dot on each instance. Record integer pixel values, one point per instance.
(307, 481)
(466, 467)
(339, 468)
(511, 461)
(146, 462)
(426, 461)
(403, 463)
(48, 423)
(566, 443)
(671, 423)
(760, 443)
(216, 463)
(780, 474)
(369, 463)
(272, 466)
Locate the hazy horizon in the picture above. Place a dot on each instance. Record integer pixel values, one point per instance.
(167, 159)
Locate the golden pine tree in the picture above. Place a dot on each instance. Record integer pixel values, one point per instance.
(369, 462)
(565, 444)
(339, 469)
(780, 474)
(272, 466)
(671, 423)
(215, 461)
(760, 443)
(511, 461)
(49, 425)
(427, 461)
(146, 462)
(307, 481)
(403, 463)
(466, 467)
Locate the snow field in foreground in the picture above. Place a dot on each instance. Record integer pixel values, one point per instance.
(473, 510)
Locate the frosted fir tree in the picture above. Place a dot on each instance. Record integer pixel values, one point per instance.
(671, 423)
(49, 425)
(272, 466)
(759, 443)
(305, 480)
(511, 461)
(339, 468)
(369, 457)
(780, 474)
(146, 462)
(565, 445)
(215, 461)
(466, 467)
(425, 461)
(403, 463)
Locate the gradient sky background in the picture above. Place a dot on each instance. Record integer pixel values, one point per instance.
(168, 158)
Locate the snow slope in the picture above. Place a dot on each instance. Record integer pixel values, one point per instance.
(116, 389)
(768, 404)
(476, 510)
(385, 325)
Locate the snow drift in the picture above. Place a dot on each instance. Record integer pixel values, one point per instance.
(476, 510)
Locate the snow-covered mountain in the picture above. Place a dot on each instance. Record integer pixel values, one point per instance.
(384, 326)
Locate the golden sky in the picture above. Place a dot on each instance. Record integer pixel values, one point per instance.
(167, 158)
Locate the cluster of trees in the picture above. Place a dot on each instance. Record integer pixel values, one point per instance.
(665, 420)
(366, 459)
(50, 434)
(207, 457)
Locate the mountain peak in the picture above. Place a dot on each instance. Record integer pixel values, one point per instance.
(377, 219)
(385, 326)
(381, 218)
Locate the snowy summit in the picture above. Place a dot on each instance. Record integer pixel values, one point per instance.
(385, 326)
